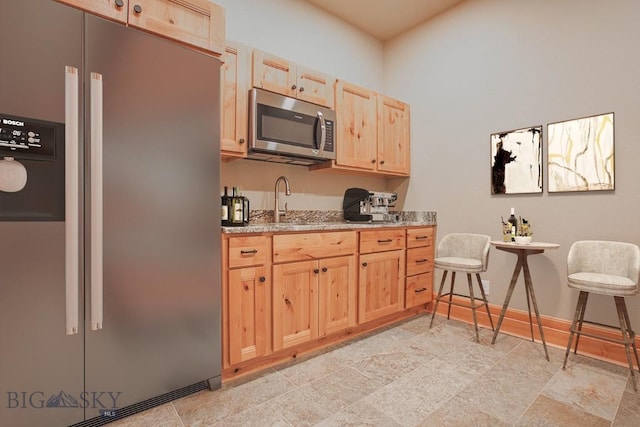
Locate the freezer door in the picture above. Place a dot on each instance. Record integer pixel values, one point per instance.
(160, 234)
(41, 368)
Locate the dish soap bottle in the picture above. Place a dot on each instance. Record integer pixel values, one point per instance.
(514, 224)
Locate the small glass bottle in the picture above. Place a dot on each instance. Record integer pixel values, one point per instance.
(514, 224)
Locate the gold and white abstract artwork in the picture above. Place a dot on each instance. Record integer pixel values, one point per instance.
(580, 154)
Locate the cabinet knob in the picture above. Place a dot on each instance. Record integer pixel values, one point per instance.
(302, 89)
(315, 270)
(286, 301)
(119, 3)
(137, 8)
(324, 269)
(364, 264)
(262, 279)
(373, 160)
(294, 87)
(382, 162)
(241, 141)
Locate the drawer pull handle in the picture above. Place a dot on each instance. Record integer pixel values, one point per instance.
(385, 240)
(248, 251)
(421, 237)
(418, 261)
(420, 290)
(286, 301)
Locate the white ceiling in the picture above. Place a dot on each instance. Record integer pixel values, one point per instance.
(384, 19)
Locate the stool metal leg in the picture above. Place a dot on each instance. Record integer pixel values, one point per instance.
(626, 335)
(484, 298)
(453, 279)
(580, 321)
(582, 299)
(473, 307)
(633, 335)
(435, 307)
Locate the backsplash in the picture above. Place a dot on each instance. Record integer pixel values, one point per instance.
(315, 216)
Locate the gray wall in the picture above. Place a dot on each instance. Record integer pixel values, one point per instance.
(487, 66)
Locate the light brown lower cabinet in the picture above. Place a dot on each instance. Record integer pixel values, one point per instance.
(312, 299)
(380, 284)
(249, 308)
(420, 254)
(289, 293)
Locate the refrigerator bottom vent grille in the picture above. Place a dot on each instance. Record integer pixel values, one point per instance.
(144, 405)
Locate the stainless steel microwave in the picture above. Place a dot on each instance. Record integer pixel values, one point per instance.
(288, 130)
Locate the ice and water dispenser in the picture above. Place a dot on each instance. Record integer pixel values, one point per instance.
(31, 169)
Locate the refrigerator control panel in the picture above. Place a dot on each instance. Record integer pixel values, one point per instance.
(25, 138)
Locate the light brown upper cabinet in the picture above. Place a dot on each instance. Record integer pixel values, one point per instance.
(393, 136)
(279, 75)
(235, 81)
(357, 130)
(372, 133)
(197, 23)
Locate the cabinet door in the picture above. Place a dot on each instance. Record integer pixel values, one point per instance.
(295, 304)
(198, 23)
(381, 284)
(106, 8)
(273, 73)
(393, 136)
(356, 128)
(314, 86)
(249, 314)
(337, 294)
(234, 83)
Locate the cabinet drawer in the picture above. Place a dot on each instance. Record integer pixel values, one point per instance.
(417, 237)
(246, 251)
(305, 246)
(381, 240)
(419, 289)
(419, 260)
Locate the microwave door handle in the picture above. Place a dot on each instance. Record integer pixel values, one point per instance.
(323, 131)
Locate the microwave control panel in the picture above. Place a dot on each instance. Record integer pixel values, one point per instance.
(328, 140)
(24, 138)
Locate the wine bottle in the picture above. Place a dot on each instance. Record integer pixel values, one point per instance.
(237, 207)
(514, 224)
(225, 206)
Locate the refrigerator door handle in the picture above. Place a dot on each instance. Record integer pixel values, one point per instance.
(72, 196)
(96, 123)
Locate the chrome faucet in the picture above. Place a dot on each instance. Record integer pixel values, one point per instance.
(287, 190)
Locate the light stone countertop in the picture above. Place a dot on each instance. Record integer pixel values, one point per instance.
(312, 221)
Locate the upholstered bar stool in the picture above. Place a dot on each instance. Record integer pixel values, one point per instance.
(606, 268)
(465, 253)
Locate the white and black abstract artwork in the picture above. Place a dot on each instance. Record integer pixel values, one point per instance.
(580, 154)
(516, 161)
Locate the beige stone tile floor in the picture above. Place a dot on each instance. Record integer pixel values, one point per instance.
(410, 375)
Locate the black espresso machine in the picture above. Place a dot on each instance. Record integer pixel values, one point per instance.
(360, 205)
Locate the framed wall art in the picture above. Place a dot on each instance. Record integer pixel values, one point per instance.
(516, 161)
(580, 154)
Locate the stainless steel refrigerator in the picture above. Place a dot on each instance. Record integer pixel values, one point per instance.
(109, 218)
